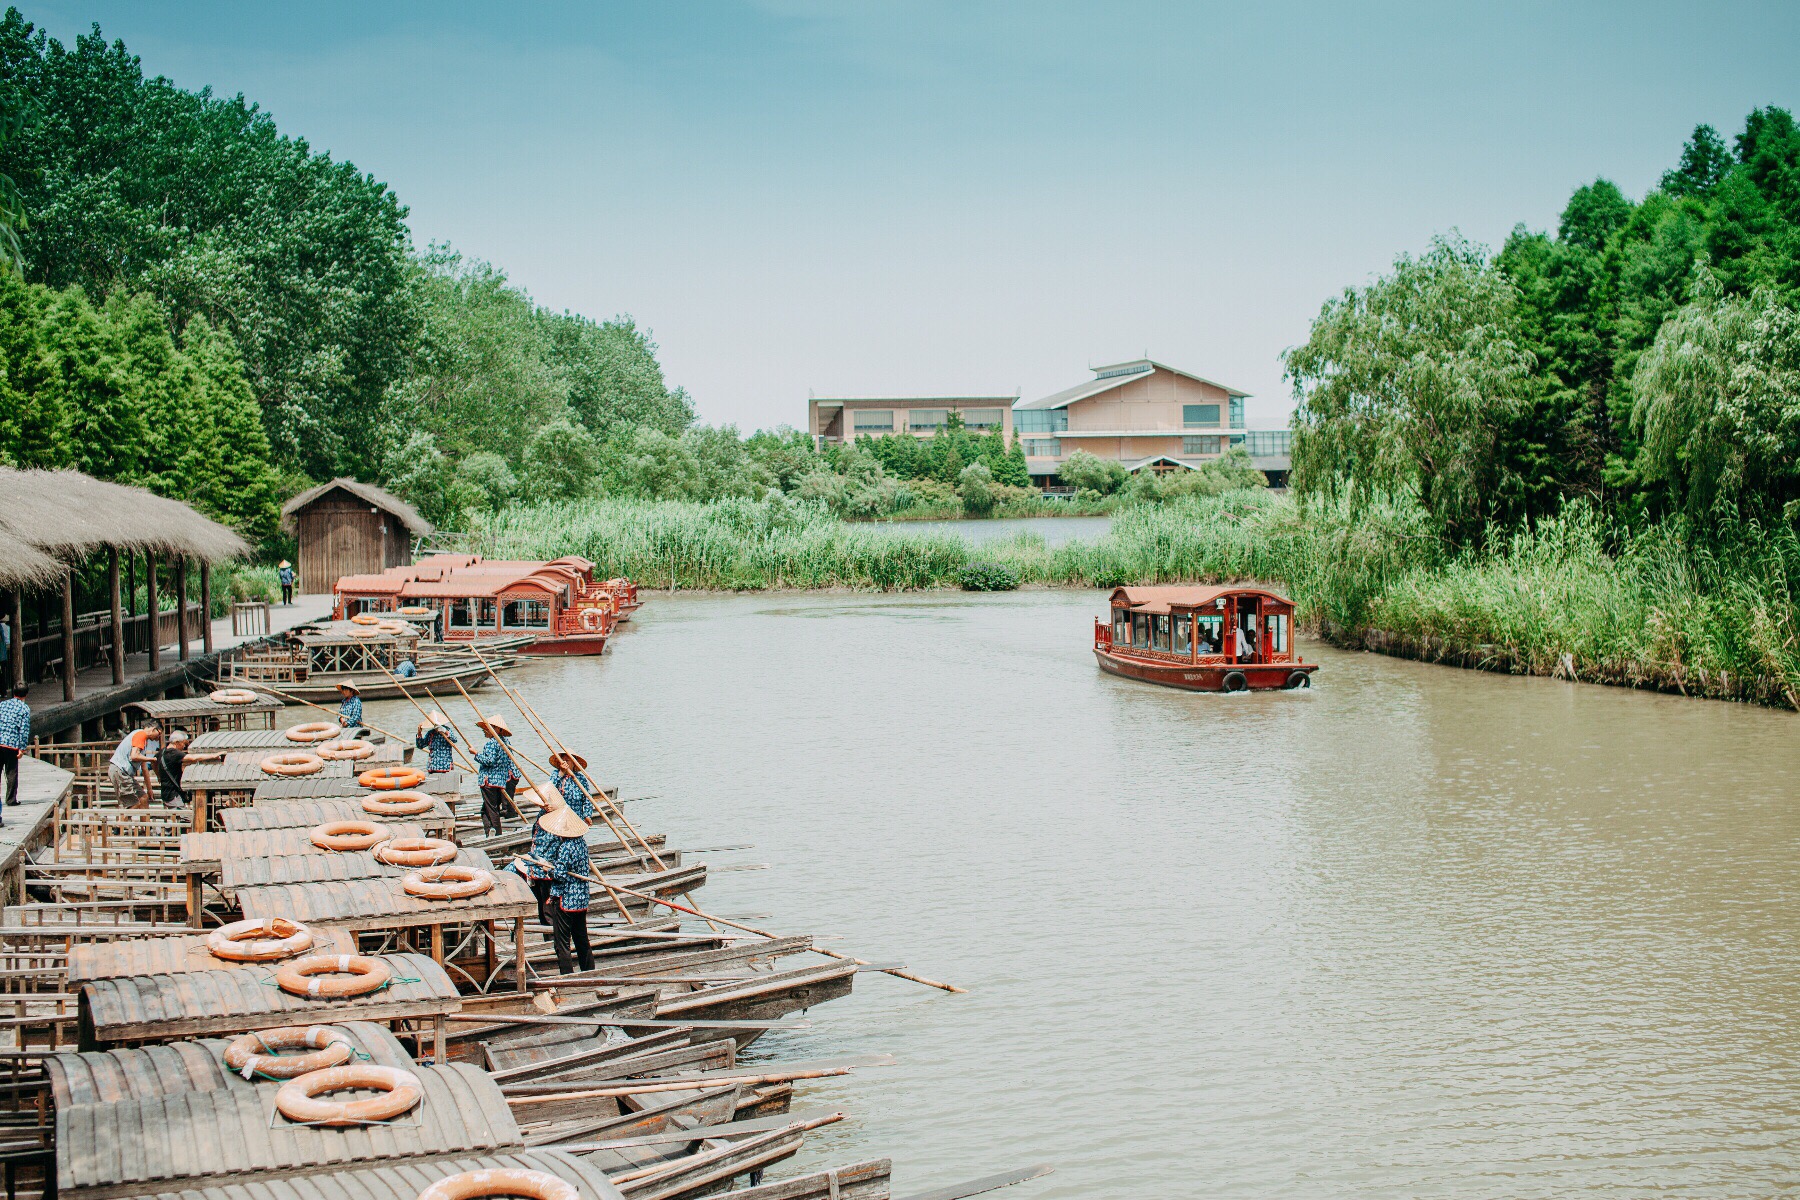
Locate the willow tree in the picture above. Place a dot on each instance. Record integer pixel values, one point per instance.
(1406, 386)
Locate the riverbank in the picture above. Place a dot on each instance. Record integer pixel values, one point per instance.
(1559, 600)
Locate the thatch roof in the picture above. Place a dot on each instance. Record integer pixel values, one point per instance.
(408, 515)
(67, 515)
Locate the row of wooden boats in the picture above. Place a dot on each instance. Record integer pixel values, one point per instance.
(168, 967)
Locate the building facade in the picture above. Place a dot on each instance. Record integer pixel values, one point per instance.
(843, 419)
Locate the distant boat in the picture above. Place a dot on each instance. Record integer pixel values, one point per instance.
(1205, 639)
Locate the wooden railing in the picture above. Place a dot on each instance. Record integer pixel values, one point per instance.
(42, 654)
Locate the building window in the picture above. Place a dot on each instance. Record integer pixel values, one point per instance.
(874, 420)
(920, 419)
(984, 418)
(527, 614)
(1237, 412)
(1202, 445)
(1043, 447)
(1040, 420)
(1200, 416)
(1267, 443)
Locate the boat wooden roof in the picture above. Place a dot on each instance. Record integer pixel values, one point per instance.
(203, 706)
(337, 787)
(337, 633)
(276, 813)
(196, 1003)
(233, 1135)
(178, 955)
(242, 770)
(1164, 598)
(213, 848)
(242, 739)
(405, 1180)
(327, 867)
(141, 1072)
(381, 903)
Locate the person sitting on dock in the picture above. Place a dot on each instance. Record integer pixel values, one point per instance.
(15, 738)
(128, 768)
(350, 709)
(406, 670)
(495, 773)
(169, 766)
(564, 848)
(575, 786)
(436, 737)
(285, 573)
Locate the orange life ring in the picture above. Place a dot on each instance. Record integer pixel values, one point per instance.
(363, 631)
(257, 1053)
(315, 731)
(293, 762)
(263, 940)
(448, 883)
(396, 628)
(333, 976)
(298, 1099)
(501, 1181)
(352, 749)
(592, 619)
(233, 696)
(348, 835)
(387, 779)
(415, 852)
(398, 804)
(415, 610)
(365, 619)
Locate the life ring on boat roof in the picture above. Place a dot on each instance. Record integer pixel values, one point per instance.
(349, 835)
(315, 731)
(364, 631)
(397, 804)
(333, 976)
(501, 1181)
(345, 749)
(388, 779)
(415, 610)
(1235, 681)
(396, 628)
(1298, 679)
(233, 696)
(259, 1053)
(299, 1099)
(415, 852)
(448, 883)
(293, 762)
(264, 939)
(365, 619)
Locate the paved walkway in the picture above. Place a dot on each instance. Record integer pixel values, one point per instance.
(40, 787)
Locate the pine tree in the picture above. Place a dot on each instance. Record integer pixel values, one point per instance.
(34, 420)
(233, 478)
(83, 373)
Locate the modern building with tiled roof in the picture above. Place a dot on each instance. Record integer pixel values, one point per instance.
(832, 419)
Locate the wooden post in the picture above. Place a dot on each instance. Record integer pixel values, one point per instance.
(118, 616)
(519, 953)
(68, 633)
(154, 611)
(206, 634)
(181, 609)
(17, 664)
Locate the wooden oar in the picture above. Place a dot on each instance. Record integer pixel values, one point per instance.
(989, 1183)
(686, 1083)
(328, 712)
(947, 987)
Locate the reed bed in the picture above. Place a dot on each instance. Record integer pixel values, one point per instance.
(1567, 598)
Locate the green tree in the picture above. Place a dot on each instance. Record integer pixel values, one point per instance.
(489, 475)
(975, 485)
(1103, 476)
(560, 462)
(232, 478)
(1012, 470)
(1704, 161)
(83, 375)
(417, 471)
(34, 420)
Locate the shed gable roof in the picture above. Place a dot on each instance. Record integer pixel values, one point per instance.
(366, 492)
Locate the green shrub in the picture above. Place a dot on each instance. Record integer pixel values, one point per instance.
(986, 576)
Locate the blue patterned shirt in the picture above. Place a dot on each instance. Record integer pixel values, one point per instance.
(543, 845)
(495, 764)
(350, 712)
(571, 788)
(406, 670)
(438, 741)
(15, 723)
(570, 857)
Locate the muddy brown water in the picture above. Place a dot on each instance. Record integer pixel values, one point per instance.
(1416, 932)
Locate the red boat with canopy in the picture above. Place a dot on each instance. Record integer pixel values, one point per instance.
(1231, 638)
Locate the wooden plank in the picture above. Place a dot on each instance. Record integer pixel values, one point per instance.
(987, 1183)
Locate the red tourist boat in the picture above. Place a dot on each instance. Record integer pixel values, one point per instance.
(554, 607)
(1205, 639)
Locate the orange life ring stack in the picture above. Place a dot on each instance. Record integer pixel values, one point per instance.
(233, 696)
(415, 852)
(397, 804)
(448, 882)
(315, 731)
(341, 749)
(299, 1099)
(388, 779)
(349, 835)
(333, 976)
(259, 1053)
(263, 940)
(501, 1181)
(293, 763)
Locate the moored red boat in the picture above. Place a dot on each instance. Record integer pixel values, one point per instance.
(1231, 638)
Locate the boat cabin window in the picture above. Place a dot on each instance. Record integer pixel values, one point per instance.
(1209, 627)
(1140, 631)
(1278, 633)
(1247, 647)
(527, 614)
(362, 604)
(1184, 623)
(462, 614)
(1159, 632)
(1121, 627)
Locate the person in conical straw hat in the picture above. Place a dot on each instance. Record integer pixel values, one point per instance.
(572, 781)
(495, 773)
(350, 708)
(436, 737)
(559, 842)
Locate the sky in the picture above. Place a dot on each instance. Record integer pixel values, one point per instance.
(969, 198)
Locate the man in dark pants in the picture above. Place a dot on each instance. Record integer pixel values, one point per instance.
(285, 572)
(169, 766)
(495, 773)
(565, 851)
(15, 736)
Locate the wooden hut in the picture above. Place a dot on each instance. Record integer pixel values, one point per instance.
(349, 528)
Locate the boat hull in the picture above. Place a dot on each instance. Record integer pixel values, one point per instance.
(582, 644)
(1203, 677)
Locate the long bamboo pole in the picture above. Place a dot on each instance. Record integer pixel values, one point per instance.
(455, 749)
(895, 971)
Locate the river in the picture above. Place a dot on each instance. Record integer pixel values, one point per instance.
(1416, 932)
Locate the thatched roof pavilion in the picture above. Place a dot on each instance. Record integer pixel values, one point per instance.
(51, 521)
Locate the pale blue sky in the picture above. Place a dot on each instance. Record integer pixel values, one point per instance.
(969, 197)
